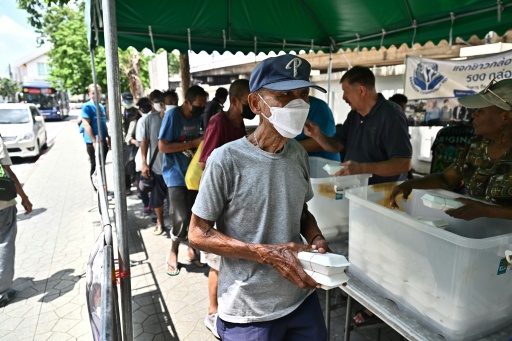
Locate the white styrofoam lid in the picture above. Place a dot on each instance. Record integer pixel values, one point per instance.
(332, 168)
(328, 281)
(439, 223)
(439, 202)
(325, 259)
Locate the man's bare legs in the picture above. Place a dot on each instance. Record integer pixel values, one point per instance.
(213, 284)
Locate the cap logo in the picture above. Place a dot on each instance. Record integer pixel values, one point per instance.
(296, 63)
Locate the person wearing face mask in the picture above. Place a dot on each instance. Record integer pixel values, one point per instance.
(150, 128)
(145, 108)
(374, 136)
(255, 189)
(224, 127)
(171, 99)
(179, 133)
(321, 114)
(130, 117)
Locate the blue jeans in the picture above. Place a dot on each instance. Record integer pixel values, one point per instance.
(304, 323)
(8, 231)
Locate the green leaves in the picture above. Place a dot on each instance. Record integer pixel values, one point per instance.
(9, 88)
(61, 23)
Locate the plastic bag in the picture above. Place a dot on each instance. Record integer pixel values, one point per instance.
(194, 171)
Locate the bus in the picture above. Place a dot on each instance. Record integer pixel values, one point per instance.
(50, 102)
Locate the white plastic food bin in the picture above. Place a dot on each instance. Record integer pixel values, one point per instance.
(453, 280)
(329, 207)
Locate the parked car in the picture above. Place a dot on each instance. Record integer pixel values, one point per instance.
(23, 129)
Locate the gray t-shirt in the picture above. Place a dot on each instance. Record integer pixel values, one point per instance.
(256, 197)
(150, 128)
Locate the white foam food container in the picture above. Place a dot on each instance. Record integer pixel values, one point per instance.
(328, 282)
(324, 263)
(439, 202)
(332, 168)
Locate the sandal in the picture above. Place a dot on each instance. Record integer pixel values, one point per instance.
(158, 230)
(175, 269)
(368, 319)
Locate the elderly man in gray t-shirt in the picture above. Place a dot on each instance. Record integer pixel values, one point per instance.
(256, 189)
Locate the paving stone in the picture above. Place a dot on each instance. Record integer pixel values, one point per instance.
(45, 327)
(4, 332)
(26, 328)
(80, 329)
(9, 322)
(43, 336)
(59, 337)
(139, 316)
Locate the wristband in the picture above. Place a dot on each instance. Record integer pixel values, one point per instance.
(315, 237)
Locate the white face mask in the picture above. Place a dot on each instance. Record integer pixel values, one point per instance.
(169, 107)
(157, 106)
(288, 120)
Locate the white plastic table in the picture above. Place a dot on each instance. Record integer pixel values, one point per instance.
(389, 313)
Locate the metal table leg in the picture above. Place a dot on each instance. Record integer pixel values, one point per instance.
(348, 318)
(328, 313)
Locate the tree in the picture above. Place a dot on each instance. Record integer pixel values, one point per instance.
(185, 73)
(61, 23)
(173, 61)
(9, 88)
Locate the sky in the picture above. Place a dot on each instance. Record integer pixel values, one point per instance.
(17, 37)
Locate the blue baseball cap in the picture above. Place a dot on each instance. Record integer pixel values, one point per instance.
(282, 73)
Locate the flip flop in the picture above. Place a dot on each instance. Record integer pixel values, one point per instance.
(175, 271)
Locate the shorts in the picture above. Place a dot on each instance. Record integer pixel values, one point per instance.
(181, 201)
(211, 259)
(304, 323)
(159, 192)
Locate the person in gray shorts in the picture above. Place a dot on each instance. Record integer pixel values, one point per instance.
(256, 189)
(8, 227)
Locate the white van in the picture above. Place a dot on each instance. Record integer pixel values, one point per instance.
(23, 129)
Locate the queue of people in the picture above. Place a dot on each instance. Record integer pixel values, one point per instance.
(251, 209)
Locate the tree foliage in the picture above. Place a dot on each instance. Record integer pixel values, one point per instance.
(9, 88)
(61, 23)
(174, 63)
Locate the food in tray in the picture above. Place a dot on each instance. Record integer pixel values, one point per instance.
(332, 168)
(439, 202)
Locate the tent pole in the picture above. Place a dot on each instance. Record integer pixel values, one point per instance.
(101, 138)
(329, 72)
(113, 85)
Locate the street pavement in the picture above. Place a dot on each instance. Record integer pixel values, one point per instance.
(53, 244)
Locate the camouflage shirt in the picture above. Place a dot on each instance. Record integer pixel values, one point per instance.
(486, 178)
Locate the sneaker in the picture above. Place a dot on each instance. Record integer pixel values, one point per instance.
(210, 321)
(9, 295)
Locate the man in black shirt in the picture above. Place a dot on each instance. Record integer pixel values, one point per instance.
(375, 135)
